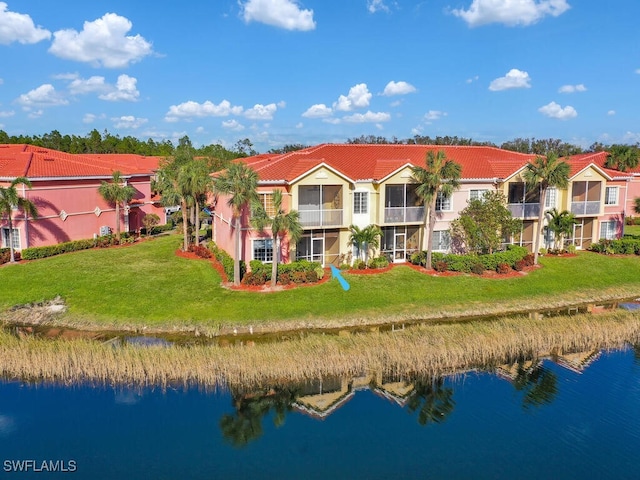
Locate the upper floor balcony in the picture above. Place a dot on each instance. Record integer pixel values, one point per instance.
(404, 214)
(585, 208)
(320, 206)
(319, 217)
(524, 210)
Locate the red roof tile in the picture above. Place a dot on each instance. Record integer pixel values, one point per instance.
(37, 162)
(375, 162)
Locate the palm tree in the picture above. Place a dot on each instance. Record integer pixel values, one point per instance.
(281, 224)
(240, 182)
(622, 157)
(545, 172)
(9, 200)
(439, 175)
(365, 239)
(196, 183)
(561, 224)
(116, 194)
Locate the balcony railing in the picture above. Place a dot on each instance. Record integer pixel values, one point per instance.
(403, 214)
(585, 208)
(524, 210)
(321, 218)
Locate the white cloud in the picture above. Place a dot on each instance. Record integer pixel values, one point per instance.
(233, 125)
(299, 125)
(81, 86)
(200, 130)
(36, 113)
(631, 137)
(319, 110)
(282, 104)
(377, 6)
(513, 79)
(1, 81)
(261, 112)
(129, 121)
(43, 96)
(611, 113)
(103, 42)
(473, 79)
(572, 88)
(7, 114)
(19, 27)
(332, 121)
(358, 97)
(638, 71)
(510, 12)
(124, 90)
(398, 88)
(190, 109)
(369, 117)
(65, 76)
(278, 13)
(433, 115)
(553, 110)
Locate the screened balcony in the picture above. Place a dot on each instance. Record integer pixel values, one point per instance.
(402, 205)
(320, 205)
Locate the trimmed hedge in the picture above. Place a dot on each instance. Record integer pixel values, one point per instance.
(226, 261)
(471, 262)
(5, 255)
(34, 253)
(628, 245)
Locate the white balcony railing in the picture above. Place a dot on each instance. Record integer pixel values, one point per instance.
(321, 218)
(403, 214)
(585, 208)
(524, 210)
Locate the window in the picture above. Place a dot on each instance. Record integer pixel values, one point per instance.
(477, 194)
(550, 200)
(263, 250)
(14, 236)
(443, 203)
(360, 202)
(611, 196)
(266, 200)
(609, 230)
(441, 240)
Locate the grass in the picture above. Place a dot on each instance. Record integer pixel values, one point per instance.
(632, 229)
(147, 285)
(427, 350)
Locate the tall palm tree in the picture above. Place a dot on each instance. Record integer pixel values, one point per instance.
(438, 175)
(542, 173)
(9, 199)
(281, 224)
(622, 157)
(196, 184)
(116, 194)
(239, 182)
(176, 180)
(561, 224)
(365, 239)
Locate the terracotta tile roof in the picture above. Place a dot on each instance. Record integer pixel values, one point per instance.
(37, 162)
(375, 162)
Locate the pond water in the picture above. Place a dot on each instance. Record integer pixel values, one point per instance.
(574, 417)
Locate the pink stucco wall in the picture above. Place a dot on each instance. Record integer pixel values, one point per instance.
(78, 199)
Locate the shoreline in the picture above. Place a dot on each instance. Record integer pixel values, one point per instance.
(54, 314)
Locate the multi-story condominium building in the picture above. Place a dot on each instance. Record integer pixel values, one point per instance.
(65, 192)
(336, 186)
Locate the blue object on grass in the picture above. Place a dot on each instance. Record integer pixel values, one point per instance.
(335, 273)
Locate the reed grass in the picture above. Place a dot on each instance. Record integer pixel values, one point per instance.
(431, 350)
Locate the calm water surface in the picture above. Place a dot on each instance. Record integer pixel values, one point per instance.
(543, 421)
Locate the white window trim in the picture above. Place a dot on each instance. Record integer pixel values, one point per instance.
(436, 248)
(267, 250)
(552, 192)
(366, 202)
(450, 198)
(482, 193)
(612, 229)
(16, 231)
(606, 196)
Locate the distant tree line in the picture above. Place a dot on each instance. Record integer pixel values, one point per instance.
(622, 156)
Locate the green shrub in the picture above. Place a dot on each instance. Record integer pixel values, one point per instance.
(520, 264)
(254, 279)
(284, 278)
(359, 265)
(257, 266)
(478, 269)
(34, 253)
(623, 246)
(378, 262)
(5, 255)
(319, 272)
(311, 276)
(226, 261)
(418, 258)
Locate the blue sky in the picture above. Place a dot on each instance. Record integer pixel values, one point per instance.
(312, 71)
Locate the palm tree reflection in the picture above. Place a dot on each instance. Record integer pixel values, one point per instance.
(245, 424)
(432, 400)
(539, 384)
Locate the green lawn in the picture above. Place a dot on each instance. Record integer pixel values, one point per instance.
(147, 284)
